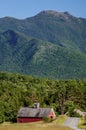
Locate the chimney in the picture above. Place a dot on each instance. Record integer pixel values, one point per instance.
(36, 105)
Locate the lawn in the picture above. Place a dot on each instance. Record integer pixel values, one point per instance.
(16, 127)
(35, 126)
(60, 120)
(82, 123)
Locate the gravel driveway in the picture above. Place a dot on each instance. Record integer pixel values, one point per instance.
(72, 122)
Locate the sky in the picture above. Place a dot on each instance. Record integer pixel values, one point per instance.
(22, 9)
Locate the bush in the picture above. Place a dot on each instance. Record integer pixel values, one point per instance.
(2, 118)
(46, 119)
(75, 114)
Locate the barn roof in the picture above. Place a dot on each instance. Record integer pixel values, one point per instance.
(34, 112)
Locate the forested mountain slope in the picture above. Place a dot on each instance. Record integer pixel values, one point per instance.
(50, 44)
(39, 58)
(56, 27)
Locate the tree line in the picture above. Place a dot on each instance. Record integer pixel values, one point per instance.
(20, 90)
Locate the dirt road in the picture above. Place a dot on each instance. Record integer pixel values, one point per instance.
(72, 122)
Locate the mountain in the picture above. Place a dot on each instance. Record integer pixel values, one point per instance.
(51, 44)
(55, 27)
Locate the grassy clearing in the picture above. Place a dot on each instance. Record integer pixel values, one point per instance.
(60, 119)
(55, 125)
(33, 128)
(82, 123)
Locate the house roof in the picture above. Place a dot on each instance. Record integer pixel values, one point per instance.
(34, 112)
(84, 113)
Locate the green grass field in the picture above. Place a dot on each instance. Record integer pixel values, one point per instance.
(33, 126)
(36, 125)
(82, 123)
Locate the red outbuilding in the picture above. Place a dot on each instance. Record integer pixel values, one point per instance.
(27, 114)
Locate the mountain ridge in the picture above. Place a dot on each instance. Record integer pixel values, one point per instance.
(44, 45)
(62, 29)
(43, 12)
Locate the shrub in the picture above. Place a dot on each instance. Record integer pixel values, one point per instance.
(2, 118)
(46, 119)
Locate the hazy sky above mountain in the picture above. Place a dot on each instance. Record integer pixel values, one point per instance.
(27, 8)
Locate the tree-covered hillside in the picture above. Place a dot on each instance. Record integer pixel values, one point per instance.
(35, 57)
(50, 44)
(20, 90)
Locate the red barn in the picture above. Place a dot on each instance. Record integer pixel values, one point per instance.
(26, 114)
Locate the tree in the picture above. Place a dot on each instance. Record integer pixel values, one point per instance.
(69, 107)
(2, 117)
(61, 96)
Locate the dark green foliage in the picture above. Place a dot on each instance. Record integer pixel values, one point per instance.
(2, 116)
(74, 114)
(18, 90)
(70, 106)
(47, 120)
